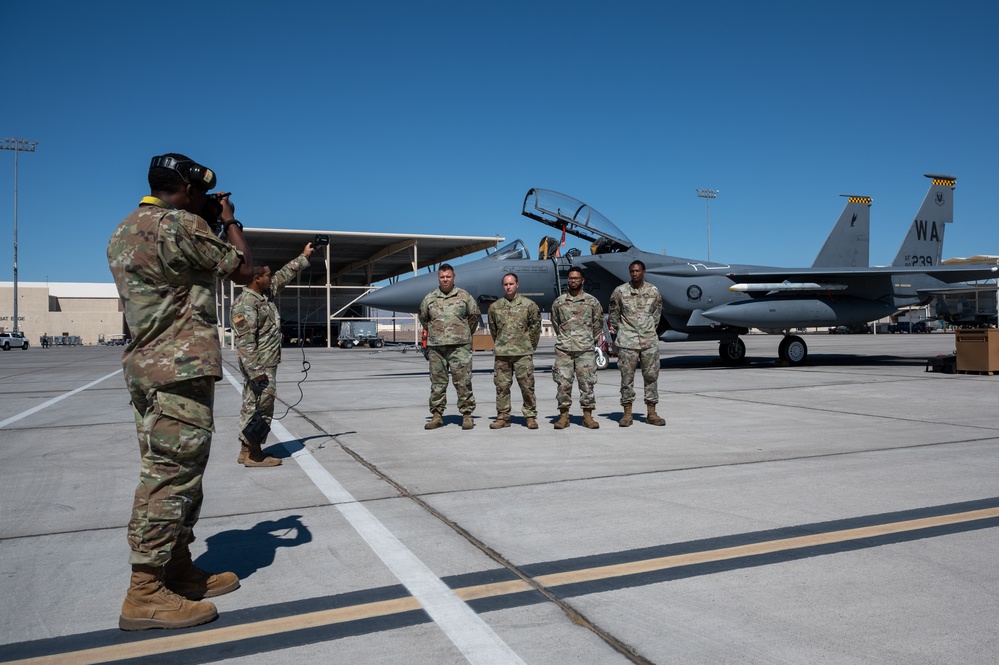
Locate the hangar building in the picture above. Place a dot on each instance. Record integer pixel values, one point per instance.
(311, 308)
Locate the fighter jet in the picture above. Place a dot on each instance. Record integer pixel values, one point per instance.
(704, 300)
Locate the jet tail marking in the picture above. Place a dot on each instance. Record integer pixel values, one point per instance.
(923, 245)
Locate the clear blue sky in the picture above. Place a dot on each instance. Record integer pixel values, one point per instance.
(437, 117)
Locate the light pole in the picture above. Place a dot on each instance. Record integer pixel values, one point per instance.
(17, 145)
(707, 195)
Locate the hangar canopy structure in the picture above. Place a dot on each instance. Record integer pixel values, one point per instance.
(312, 305)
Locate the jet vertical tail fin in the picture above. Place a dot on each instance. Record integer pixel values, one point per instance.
(849, 243)
(923, 246)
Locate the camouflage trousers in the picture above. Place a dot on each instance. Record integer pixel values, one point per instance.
(456, 358)
(504, 369)
(628, 360)
(579, 364)
(258, 397)
(174, 424)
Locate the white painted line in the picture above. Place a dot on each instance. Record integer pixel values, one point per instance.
(467, 631)
(45, 405)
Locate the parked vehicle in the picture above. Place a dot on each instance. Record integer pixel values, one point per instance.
(13, 339)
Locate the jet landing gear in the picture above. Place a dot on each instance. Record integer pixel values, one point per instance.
(793, 350)
(732, 352)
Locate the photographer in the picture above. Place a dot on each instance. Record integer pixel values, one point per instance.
(257, 324)
(165, 258)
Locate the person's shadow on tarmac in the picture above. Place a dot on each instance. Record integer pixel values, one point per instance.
(245, 551)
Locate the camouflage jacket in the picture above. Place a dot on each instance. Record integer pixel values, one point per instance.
(449, 319)
(164, 263)
(634, 315)
(257, 323)
(578, 322)
(515, 326)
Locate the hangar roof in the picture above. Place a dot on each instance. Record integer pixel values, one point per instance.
(977, 259)
(359, 259)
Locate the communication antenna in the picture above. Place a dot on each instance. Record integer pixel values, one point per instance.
(17, 145)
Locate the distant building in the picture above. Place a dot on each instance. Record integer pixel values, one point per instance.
(85, 309)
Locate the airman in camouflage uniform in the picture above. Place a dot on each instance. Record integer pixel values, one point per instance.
(635, 309)
(257, 323)
(450, 316)
(165, 258)
(578, 319)
(515, 324)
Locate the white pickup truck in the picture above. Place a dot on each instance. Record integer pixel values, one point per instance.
(10, 340)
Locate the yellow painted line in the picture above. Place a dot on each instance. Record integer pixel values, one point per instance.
(181, 642)
(782, 545)
(492, 590)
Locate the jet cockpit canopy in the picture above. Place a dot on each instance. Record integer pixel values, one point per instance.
(574, 217)
(513, 250)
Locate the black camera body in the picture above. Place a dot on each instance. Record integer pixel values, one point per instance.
(320, 241)
(212, 212)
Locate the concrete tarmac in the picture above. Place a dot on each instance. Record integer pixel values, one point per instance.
(845, 511)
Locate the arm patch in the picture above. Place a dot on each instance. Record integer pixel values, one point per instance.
(240, 324)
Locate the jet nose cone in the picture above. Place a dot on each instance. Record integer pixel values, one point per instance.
(404, 296)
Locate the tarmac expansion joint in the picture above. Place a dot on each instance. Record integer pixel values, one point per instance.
(574, 615)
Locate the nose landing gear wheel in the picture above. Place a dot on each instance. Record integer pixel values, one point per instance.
(732, 353)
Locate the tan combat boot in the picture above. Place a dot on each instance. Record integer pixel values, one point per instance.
(653, 418)
(502, 420)
(149, 604)
(435, 422)
(626, 418)
(588, 420)
(185, 579)
(467, 422)
(532, 422)
(257, 458)
(244, 450)
(563, 420)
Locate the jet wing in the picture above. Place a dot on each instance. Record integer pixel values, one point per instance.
(575, 218)
(823, 279)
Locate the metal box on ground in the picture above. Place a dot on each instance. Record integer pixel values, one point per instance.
(358, 333)
(977, 350)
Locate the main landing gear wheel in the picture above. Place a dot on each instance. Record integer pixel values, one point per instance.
(793, 350)
(733, 352)
(601, 358)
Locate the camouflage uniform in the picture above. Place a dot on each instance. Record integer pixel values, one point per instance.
(516, 329)
(165, 262)
(257, 324)
(634, 315)
(578, 323)
(450, 320)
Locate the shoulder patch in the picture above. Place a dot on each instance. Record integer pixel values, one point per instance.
(239, 322)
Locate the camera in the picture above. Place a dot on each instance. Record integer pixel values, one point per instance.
(212, 212)
(320, 241)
